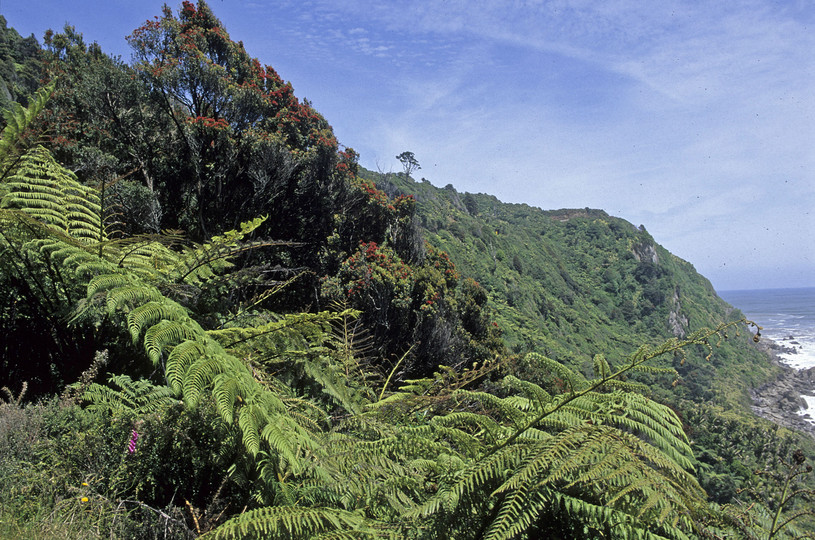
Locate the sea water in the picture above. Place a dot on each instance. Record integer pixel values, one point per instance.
(787, 316)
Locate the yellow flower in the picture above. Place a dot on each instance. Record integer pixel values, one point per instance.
(84, 499)
(85, 484)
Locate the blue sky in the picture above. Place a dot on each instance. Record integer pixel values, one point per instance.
(695, 119)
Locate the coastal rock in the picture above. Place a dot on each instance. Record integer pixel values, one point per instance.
(780, 400)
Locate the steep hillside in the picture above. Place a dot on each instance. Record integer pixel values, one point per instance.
(575, 283)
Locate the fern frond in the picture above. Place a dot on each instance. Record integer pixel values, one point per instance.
(125, 293)
(180, 358)
(482, 476)
(300, 324)
(480, 424)
(534, 393)
(18, 119)
(52, 194)
(653, 421)
(280, 436)
(574, 381)
(147, 255)
(601, 368)
(334, 383)
(202, 262)
(291, 522)
(622, 471)
(151, 313)
(491, 402)
(138, 397)
(165, 334)
(199, 376)
(105, 282)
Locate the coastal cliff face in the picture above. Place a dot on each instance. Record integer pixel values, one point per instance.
(573, 283)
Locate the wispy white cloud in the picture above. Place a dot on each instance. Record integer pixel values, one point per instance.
(694, 118)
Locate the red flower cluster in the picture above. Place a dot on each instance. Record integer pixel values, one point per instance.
(441, 261)
(371, 263)
(207, 122)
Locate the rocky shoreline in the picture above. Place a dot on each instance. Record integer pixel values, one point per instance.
(780, 400)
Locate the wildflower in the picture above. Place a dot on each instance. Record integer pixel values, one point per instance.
(84, 499)
(84, 484)
(131, 447)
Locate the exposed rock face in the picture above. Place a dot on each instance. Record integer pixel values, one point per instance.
(780, 400)
(677, 321)
(646, 253)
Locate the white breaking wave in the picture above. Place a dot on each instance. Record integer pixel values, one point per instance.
(809, 411)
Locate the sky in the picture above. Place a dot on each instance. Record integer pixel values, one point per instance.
(694, 119)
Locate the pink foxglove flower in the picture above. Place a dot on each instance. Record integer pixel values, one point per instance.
(131, 447)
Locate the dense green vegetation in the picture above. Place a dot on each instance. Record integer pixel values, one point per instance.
(571, 283)
(217, 324)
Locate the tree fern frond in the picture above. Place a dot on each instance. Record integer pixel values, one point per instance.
(628, 386)
(656, 370)
(301, 323)
(622, 471)
(165, 334)
(126, 293)
(334, 383)
(50, 193)
(281, 438)
(517, 512)
(531, 391)
(180, 359)
(290, 523)
(18, 119)
(574, 381)
(491, 402)
(605, 520)
(106, 282)
(198, 377)
(251, 419)
(479, 423)
(201, 262)
(481, 476)
(601, 368)
(226, 392)
(147, 256)
(138, 397)
(150, 313)
(655, 422)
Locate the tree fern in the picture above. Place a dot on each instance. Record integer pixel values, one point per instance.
(63, 218)
(293, 522)
(18, 120)
(137, 397)
(43, 189)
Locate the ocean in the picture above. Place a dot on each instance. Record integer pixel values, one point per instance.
(787, 316)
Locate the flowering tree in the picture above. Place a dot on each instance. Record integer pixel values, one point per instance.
(420, 307)
(242, 135)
